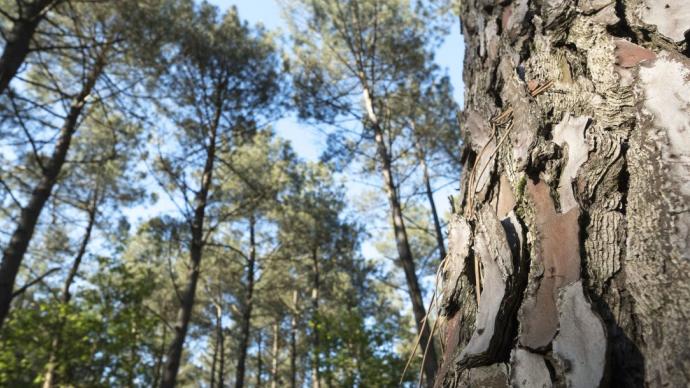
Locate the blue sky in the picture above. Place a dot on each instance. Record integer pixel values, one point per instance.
(309, 143)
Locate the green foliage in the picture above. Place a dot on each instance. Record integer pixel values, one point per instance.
(104, 335)
(187, 95)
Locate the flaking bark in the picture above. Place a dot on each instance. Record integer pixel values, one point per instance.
(575, 120)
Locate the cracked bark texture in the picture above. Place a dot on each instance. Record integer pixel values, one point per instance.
(575, 209)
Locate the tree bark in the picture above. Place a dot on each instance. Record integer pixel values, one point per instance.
(221, 366)
(575, 198)
(184, 315)
(293, 341)
(19, 38)
(217, 346)
(248, 306)
(159, 358)
(28, 218)
(432, 204)
(274, 356)
(402, 243)
(259, 359)
(315, 345)
(50, 379)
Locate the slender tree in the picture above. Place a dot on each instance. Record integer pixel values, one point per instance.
(94, 32)
(209, 87)
(248, 305)
(350, 58)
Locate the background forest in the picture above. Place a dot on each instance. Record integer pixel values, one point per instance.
(155, 231)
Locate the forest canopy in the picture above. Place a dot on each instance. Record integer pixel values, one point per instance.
(157, 231)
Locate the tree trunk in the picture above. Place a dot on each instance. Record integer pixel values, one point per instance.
(28, 218)
(214, 360)
(184, 315)
(259, 360)
(293, 342)
(575, 198)
(19, 38)
(315, 345)
(159, 358)
(247, 310)
(402, 243)
(221, 366)
(432, 204)
(274, 356)
(217, 346)
(50, 379)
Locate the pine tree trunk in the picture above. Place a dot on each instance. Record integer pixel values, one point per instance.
(247, 310)
(432, 206)
(274, 356)
(315, 340)
(221, 366)
(159, 357)
(217, 345)
(184, 314)
(259, 360)
(403, 244)
(50, 380)
(21, 236)
(574, 214)
(293, 341)
(19, 38)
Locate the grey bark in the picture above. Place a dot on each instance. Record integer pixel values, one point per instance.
(576, 151)
(13, 253)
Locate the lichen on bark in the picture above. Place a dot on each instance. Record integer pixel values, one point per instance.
(594, 101)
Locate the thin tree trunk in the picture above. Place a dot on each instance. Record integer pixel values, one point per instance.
(432, 204)
(19, 38)
(248, 305)
(217, 344)
(315, 363)
(580, 217)
(221, 367)
(28, 218)
(402, 243)
(259, 359)
(293, 342)
(174, 353)
(50, 379)
(212, 383)
(159, 358)
(274, 361)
